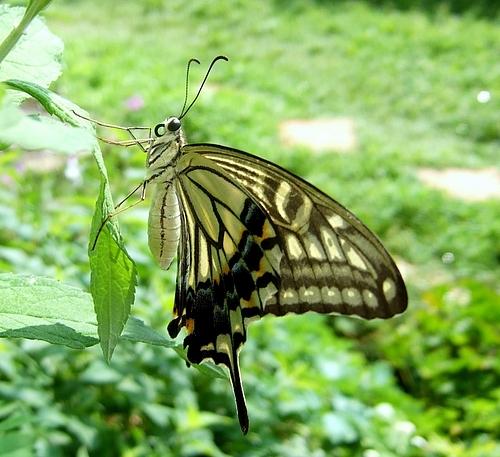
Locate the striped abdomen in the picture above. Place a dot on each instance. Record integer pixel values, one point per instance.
(164, 227)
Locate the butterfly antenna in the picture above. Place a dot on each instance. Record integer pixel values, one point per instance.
(187, 83)
(185, 111)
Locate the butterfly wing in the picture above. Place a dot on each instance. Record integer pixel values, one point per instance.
(258, 240)
(228, 266)
(331, 262)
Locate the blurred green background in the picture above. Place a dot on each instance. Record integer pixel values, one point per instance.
(408, 75)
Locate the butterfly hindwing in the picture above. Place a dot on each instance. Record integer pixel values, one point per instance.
(228, 266)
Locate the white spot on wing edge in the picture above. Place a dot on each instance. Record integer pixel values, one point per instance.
(289, 297)
(389, 289)
(248, 320)
(352, 296)
(331, 295)
(370, 299)
(310, 294)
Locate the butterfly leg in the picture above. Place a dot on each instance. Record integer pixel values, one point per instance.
(121, 210)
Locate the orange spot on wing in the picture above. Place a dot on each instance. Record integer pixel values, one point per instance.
(267, 231)
(189, 325)
(252, 303)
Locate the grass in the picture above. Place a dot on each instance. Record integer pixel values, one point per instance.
(409, 80)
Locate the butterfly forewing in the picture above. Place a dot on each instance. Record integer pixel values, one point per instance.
(331, 263)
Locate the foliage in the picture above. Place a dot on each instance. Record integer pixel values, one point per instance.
(113, 272)
(423, 384)
(481, 8)
(466, 349)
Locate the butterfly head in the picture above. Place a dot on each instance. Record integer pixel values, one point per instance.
(168, 130)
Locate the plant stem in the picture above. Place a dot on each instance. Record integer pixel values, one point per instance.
(34, 7)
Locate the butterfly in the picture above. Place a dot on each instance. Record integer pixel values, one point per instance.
(251, 239)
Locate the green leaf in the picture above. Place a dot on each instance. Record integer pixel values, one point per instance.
(44, 309)
(41, 132)
(113, 273)
(52, 102)
(31, 53)
(137, 331)
(208, 368)
(44, 132)
(112, 284)
(40, 308)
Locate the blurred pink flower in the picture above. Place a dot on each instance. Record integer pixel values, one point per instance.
(134, 103)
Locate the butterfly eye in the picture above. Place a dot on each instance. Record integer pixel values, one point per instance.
(174, 125)
(160, 130)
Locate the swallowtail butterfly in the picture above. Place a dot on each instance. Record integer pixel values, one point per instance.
(253, 239)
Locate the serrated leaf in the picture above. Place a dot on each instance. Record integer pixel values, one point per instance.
(40, 308)
(45, 309)
(112, 284)
(113, 273)
(36, 56)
